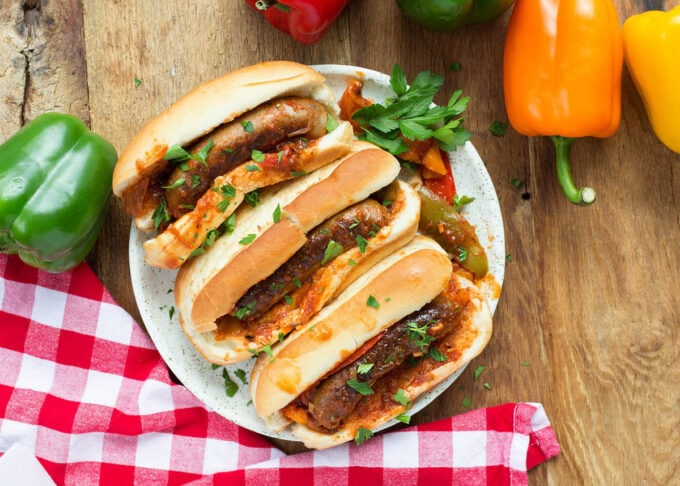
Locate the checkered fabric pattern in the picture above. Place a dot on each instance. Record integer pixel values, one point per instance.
(83, 387)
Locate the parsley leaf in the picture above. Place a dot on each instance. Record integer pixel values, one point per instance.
(360, 386)
(478, 371)
(460, 201)
(372, 302)
(331, 124)
(257, 155)
(161, 215)
(175, 184)
(333, 249)
(411, 115)
(419, 334)
(177, 154)
(230, 386)
(498, 128)
(276, 215)
(362, 436)
(364, 368)
(400, 397)
(246, 240)
(241, 375)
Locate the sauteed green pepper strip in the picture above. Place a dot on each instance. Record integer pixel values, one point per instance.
(55, 179)
(453, 232)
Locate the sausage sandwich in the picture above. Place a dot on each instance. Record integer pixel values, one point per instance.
(190, 167)
(295, 251)
(397, 331)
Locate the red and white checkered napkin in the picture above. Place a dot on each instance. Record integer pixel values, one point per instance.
(82, 386)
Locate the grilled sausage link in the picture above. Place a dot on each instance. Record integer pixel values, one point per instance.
(232, 144)
(362, 220)
(332, 400)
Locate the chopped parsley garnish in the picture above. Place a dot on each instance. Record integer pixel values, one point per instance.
(230, 386)
(331, 124)
(247, 126)
(362, 436)
(253, 198)
(248, 239)
(252, 168)
(487, 386)
(437, 355)
(467, 403)
(498, 129)
(478, 371)
(372, 302)
(355, 222)
(171, 311)
(460, 201)
(175, 184)
(419, 334)
(138, 82)
(297, 282)
(400, 397)
(176, 154)
(516, 182)
(161, 215)
(230, 223)
(411, 116)
(257, 156)
(242, 312)
(276, 215)
(364, 368)
(241, 375)
(297, 173)
(202, 154)
(362, 243)
(454, 67)
(195, 181)
(333, 249)
(360, 386)
(267, 349)
(288, 299)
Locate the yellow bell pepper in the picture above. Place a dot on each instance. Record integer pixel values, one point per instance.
(651, 42)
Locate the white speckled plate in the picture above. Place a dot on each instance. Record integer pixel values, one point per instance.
(153, 287)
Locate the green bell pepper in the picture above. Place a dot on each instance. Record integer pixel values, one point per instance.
(55, 180)
(446, 15)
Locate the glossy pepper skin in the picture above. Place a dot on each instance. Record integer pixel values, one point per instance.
(305, 20)
(55, 178)
(447, 15)
(562, 75)
(651, 43)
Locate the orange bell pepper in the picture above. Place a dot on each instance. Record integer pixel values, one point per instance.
(562, 75)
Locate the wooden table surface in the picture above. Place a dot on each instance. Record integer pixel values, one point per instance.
(588, 323)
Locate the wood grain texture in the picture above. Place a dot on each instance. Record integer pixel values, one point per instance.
(588, 323)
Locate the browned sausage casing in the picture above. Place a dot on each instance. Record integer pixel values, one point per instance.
(261, 129)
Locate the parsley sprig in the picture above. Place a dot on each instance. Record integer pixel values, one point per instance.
(411, 116)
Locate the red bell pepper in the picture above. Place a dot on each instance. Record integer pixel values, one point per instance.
(306, 20)
(443, 186)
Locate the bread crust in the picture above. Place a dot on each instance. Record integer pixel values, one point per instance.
(209, 285)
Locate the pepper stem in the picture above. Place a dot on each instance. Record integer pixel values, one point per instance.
(584, 196)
